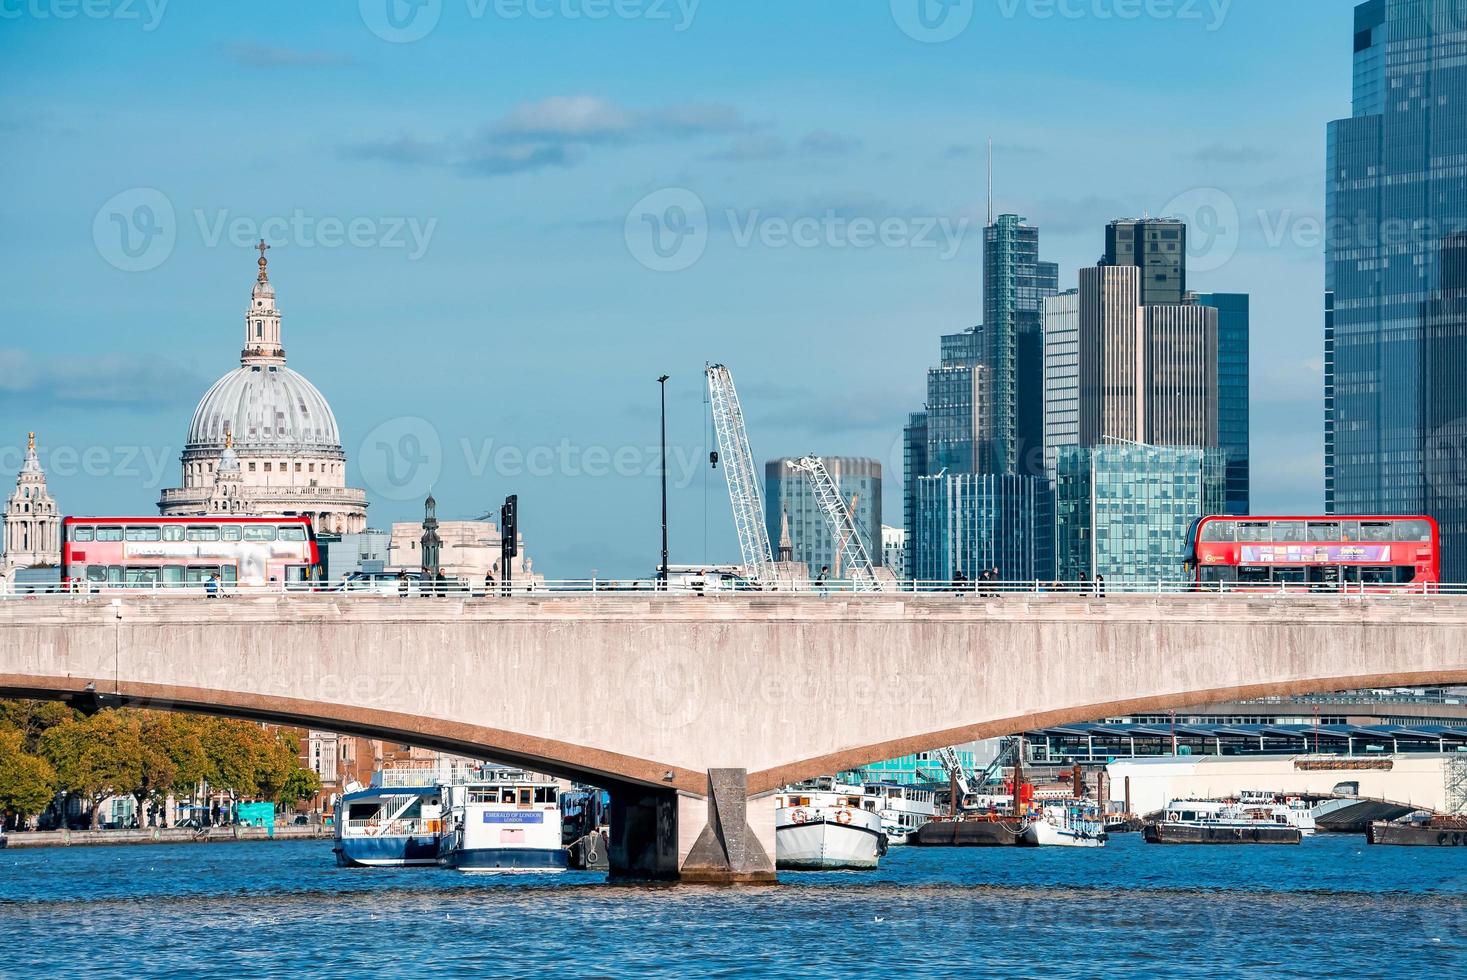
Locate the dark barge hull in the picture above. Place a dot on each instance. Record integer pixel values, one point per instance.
(966, 833)
(1156, 833)
(1419, 836)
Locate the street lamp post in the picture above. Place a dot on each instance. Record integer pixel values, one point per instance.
(662, 570)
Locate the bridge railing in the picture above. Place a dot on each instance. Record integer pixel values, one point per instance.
(713, 588)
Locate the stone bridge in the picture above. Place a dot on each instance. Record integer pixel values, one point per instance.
(692, 711)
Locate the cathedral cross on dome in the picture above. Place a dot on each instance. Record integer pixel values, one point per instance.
(261, 248)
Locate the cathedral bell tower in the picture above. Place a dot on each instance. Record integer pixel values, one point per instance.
(32, 524)
(262, 320)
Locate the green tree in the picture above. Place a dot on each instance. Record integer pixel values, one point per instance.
(302, 784)
(27, 782)
(95, 757)
(33, 718)
(172, 757)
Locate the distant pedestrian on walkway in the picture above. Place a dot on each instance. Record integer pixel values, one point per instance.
(488, 583)
(960, 582)
(1100, 585)
(402, 585)
(211, 587)
(820, 581)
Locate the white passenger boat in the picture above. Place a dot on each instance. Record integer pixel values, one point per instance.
(1223, 822)
(505, 820)
(822, 825)
(903, 809)
(1064, 825)
(1291, 810)
(389, 826)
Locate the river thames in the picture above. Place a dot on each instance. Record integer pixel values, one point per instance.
(1332, 906)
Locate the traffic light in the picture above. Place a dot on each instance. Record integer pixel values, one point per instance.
(509, 525)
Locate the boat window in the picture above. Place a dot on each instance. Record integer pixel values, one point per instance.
(203, 533)
(527, 795)
(545, 794)
(153, 533)
(83, 532)
(361, 811)
(172, 532)
(1189, 815)
(109, 534)
(229, 532)
(506, 795)
(1218, 530)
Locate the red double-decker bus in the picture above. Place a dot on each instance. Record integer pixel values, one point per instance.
(1319, 553)
(146, 553)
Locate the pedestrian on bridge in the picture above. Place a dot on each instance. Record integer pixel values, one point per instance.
(820, 581)
(211, 587)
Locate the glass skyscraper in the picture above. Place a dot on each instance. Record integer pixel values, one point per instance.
(1232, 392)
(789, 492)
(1123, 511)
(1015, 283)
(1396, 197)
(975, 522)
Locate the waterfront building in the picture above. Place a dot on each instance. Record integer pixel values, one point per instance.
(1157, 249)
(345, 554)
(894, 550)
(972, 522)
(1123, 511)
(918, 768)
(789, 497)
(1395, 354)
(32, 537)
(1233, 413)
(263, 440)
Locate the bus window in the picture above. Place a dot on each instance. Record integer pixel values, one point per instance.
(1219, 573)
(1324, 530)
(1218, 531)
(1376, 531)
(1254, 531)
(297, 573)
(145, 533)
(83, 532)
(259, 532)
(142, 578)
(1290, 573)
(97, 574)
(109, 534)
(172, 576)
(115, 575)
(1253, 573)
(292, 534)
(1413, 531)
(1379, 575)
(230, 576)
(199, 574)
(1288, 530)
(172, 532)
(203, 533)
(1325, 574)
(230, 532)
(1349, 530)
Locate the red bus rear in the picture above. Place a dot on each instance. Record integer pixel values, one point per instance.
(1315, 553)
(148, 553)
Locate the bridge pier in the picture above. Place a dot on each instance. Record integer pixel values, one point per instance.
(724, 839)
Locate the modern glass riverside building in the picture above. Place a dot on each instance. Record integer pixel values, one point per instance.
(1123, 511)
(1395, 343)
(1232, 392)
(978, 522)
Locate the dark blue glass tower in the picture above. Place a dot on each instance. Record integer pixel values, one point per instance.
(1396, 193)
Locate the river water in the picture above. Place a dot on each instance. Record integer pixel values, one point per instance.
(1331, 907)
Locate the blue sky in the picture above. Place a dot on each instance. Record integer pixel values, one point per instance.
(462, 198)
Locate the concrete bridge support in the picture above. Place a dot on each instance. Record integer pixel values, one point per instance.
(663, 835)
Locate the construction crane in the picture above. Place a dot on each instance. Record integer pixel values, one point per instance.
(949, 759)
(743, 478)
(850, 547)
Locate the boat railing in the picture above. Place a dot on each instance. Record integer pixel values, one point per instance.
(372, 827)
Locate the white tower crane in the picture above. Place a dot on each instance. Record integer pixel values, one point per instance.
(851, 551)
(743, 478)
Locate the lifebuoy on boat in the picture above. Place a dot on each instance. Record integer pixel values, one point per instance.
(843, 817)
(800, 816)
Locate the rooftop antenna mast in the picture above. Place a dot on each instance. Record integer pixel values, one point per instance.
(990, 180)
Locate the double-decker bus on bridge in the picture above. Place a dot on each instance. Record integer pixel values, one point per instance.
(1315, 553)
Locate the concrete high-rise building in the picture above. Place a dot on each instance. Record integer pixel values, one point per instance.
(1233, 413)
(1396, 199)
(1061, 375)
(1123, 511)
(1179, 374)
(1157, 249)
(788, 491)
